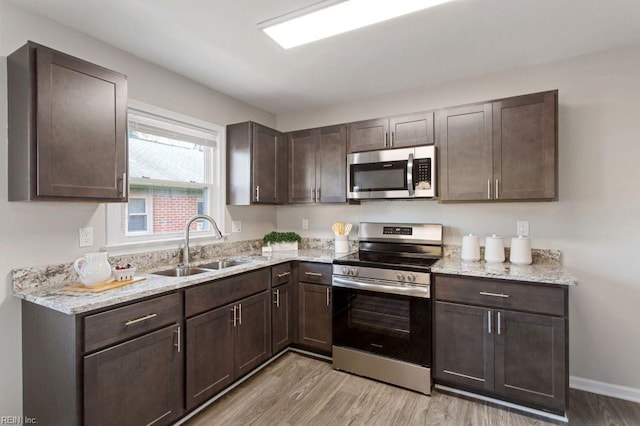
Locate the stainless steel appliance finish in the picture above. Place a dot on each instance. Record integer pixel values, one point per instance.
(382, 304)
(392, 173)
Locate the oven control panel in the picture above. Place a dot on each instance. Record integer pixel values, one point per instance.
(397, 230)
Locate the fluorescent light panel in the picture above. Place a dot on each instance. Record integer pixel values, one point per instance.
(340, 18)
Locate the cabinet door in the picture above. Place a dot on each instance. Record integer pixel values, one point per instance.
(302, 167)
(525, 147)
(411, 130)
(464, 139)
(314, 302)
(253, 333)
(530, 358)
(464, 345)
(266, 162)
(81, 128)
(137, 382)
(281, 319)
(210, 354)
(369, 135)
(331, 164)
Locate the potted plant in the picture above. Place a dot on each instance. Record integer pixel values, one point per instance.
(280, 241)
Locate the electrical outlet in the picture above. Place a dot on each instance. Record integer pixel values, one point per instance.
(522, 228)
(85, 237)
(236, 226)
(305, 223)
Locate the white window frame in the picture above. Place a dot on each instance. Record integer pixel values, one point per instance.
(118, 242)
(148, 204)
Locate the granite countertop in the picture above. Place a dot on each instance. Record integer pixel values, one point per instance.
(543, 273)
(75, 302)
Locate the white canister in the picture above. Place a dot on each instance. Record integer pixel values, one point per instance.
(342, 244)
(494, 249)
(470, 248)
(520, 251)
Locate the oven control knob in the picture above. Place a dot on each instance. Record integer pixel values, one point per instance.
(345, 270)
(354, 271)
(411, 278)
(400, 276)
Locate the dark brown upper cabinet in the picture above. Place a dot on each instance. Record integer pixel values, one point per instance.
(256, 165)
(67, 128)
(318, 166)
(391, 132)
(500, 150)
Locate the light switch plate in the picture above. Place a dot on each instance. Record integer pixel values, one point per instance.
(523, 228)
(305, 223)
(236, 226)
(85, 237)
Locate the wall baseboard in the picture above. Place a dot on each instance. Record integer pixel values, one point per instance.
(602, 388)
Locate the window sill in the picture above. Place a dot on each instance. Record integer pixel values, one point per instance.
(119, 249)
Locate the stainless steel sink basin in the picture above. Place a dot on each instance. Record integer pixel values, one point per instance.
(221, 264)
(181, 271)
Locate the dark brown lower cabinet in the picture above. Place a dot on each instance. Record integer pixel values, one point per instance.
(225, 344)
(136, 382)
(314, 324)
(281, 317)
(508, 354)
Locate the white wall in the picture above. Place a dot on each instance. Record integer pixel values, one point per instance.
(596, 223)
(46, 232)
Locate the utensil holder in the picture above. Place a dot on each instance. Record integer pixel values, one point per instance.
(342, 244)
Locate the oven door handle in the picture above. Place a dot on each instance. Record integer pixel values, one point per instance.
(410, 186)
(407, 290)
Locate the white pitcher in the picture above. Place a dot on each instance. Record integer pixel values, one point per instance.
(93, 268)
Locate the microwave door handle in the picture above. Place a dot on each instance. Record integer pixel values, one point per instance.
(410, 186)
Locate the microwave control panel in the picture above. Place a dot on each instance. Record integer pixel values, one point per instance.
(422, 170)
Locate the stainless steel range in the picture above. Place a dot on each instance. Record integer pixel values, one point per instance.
(382, 304)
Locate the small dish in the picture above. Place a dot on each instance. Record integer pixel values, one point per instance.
(123, 274)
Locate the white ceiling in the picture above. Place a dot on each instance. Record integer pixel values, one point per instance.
(218, 43)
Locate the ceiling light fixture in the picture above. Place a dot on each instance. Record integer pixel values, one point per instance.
(311, 24)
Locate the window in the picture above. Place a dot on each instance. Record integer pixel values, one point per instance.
(174, 173)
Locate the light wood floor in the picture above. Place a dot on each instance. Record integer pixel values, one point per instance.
(298, 390)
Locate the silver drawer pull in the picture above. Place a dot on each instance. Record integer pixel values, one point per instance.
(313, 274)
(146, 317)
(485, 293)
(284, 274)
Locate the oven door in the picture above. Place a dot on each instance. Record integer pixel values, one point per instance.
(392, 325)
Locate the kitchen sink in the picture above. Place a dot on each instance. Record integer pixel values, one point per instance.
(221, 264)
(182, 271)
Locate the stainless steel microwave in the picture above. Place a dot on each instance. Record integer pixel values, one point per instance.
(392, 173)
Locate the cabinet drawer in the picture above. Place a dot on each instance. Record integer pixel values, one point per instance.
(225, 291)
(319, 273)
(116, 325)
(500, 294)
(280, 274)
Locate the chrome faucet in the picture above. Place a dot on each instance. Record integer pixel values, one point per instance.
(185, 252)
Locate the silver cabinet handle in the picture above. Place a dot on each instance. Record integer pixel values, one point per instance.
(284, 274)
(257, 192)
(489, 321)
(392, 137)
(328, 299)
(386, 138)
(313, 274)
(488, 189)
(277, 294)
(125, 186)
(317, 195)
(178, 344)
(134, 321)
(497, 189)
(498, 322)
(235, 317)
(239, 313)
(486, 293)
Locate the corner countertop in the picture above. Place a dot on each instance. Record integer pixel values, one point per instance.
(75, 302)
(542, 273)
